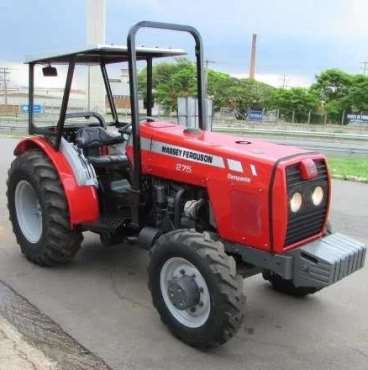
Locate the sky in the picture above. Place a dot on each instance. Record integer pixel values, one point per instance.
(298, 38)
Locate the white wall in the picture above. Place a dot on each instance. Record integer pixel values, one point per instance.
(96, 34)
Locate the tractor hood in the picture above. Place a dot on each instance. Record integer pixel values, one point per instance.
(245, 178)
(217, 144)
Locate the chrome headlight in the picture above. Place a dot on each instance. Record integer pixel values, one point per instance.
(296, 202)
(317, 195)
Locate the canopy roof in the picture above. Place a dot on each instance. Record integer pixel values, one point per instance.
(105, 53)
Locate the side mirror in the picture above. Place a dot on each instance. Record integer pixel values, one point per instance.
(49, 71)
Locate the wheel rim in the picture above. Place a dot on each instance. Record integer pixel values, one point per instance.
(174, 269)
(28, 210)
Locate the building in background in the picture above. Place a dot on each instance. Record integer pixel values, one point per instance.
(48, 98)
(120, 90)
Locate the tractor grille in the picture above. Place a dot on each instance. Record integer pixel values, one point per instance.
(310, 219)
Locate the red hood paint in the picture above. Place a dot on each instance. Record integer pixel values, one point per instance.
(221, 144)
(246, 181)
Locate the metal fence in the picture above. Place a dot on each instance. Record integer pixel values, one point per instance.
(293, 117)
(187, 112)
(15, 122)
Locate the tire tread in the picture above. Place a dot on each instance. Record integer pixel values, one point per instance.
(223, 268)
(61, 243)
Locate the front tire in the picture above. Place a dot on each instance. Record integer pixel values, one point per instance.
(195, 288)
(38, 211)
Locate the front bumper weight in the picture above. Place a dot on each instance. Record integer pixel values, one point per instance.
(325, 261)
(315, 265)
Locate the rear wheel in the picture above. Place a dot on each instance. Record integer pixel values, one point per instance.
(287, 286)
(38, 211)
(195, 288)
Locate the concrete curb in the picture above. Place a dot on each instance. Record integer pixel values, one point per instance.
(351, 178)
(42, 333)
(16, 353)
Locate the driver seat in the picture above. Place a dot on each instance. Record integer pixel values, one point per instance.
(91, 138)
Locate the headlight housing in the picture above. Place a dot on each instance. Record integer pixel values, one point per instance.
(296, 202)
(317, 195)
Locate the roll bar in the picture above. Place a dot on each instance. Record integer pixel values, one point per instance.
(132, 59)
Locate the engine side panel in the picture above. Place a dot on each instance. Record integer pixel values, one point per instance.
(82, 200)
(237, 188)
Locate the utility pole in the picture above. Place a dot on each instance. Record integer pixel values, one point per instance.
(284, 81)
(364, 67)
(207, 62)
(252, 69)
(4, 72)
(89, 90)
(96, 34)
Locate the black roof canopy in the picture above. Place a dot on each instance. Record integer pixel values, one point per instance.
(104, 53)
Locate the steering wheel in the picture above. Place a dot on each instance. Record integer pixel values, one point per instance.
(126, 129)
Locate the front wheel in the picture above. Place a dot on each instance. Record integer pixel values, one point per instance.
(195, 288)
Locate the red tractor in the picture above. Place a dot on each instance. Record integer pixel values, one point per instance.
(210, 208)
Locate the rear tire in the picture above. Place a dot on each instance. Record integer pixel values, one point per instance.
(218, 313)
(286, 286)
(56, 243)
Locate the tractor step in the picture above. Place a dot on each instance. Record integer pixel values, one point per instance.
(109, 224)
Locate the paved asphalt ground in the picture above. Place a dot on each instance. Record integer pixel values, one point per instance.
(102, 300)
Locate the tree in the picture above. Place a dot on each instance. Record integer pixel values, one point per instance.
(298, 100)
(248, 94)
(237, 94)
(333, 92)
(171, 80)
(357, 99)
(332, 84)
(219, 88)
(333, 88)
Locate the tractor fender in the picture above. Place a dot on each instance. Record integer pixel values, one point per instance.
(82, 199)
